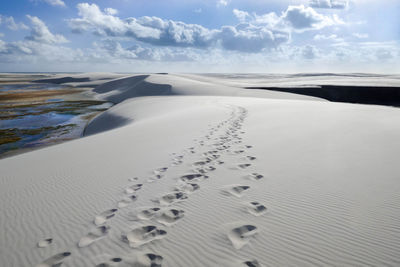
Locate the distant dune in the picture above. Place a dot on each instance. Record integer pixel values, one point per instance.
(196, 170)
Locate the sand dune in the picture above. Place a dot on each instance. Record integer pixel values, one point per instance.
(209, 175)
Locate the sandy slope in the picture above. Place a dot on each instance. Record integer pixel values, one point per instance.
(249, 180)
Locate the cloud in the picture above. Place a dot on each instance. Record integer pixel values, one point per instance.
(3, 46)
(253, 34)
(11, 24)
(242, 16)
(332, 37)
(294, 18)
(383, 54)
(222, 3)
(250, 38)
(110, 11)
(244, 37)
(92, 18)
(59, 3)
(55, 2)
(309, 52)
(333, 4)
(40, 33)
(361, 35)
(306, 18)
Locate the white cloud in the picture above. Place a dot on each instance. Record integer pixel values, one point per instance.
(250, 38)
(55, 2)
(253, 34)
(3, 46)
(111, 11)
(159, 32)
(306, 18)
(334, 4)
(11, 24)
(295, 18)
(361, 35)
(92, 18)
(198, 10)
(242, 16)
(383, 54)
(222, 3)
(330, 38)
(309, 52)
(40, 33)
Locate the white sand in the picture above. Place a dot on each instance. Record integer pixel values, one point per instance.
(327, 174)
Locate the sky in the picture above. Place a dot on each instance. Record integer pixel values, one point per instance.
(263, 36)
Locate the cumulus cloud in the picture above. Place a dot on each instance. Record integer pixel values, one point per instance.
(242, 16)
(245, 37)
(250, 38)
(11, 24)
(361, 35)
(334, 4)
(294, 18)
(253, 34)
(59, 3)
(110, 11)
(3, 46)
(222, 3)
(304, 18)
(105, 24)
(40, 33)
(309, 52)
(329, 38)
(383, 54)
(55, 2)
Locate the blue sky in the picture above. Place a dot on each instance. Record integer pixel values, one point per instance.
(200, 36)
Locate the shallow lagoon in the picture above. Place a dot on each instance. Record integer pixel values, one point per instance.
(29, 120)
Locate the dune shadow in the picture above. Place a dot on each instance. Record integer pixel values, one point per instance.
(374, 95)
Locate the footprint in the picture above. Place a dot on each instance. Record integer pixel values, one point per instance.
(201, 163)
(205, 169)
(110, 263)
(142, 235)
(210, 168)
(253, 263)
(148, 260)
(240, 236)
(126, 201)
(160, 170)
(251, 158)
(133, 188)
(170, 217)
(55, 261)
(45, 242)
(144, 214)
(170, 198)
(244, 165)
(213, 156)
(133, 179)
(194, 177)
(255, 176)
(235, 190)
(93, 236)
(200, 170)
(256, 208)
(187, 188)
(104, 216)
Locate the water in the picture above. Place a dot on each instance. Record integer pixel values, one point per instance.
(30, 122)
